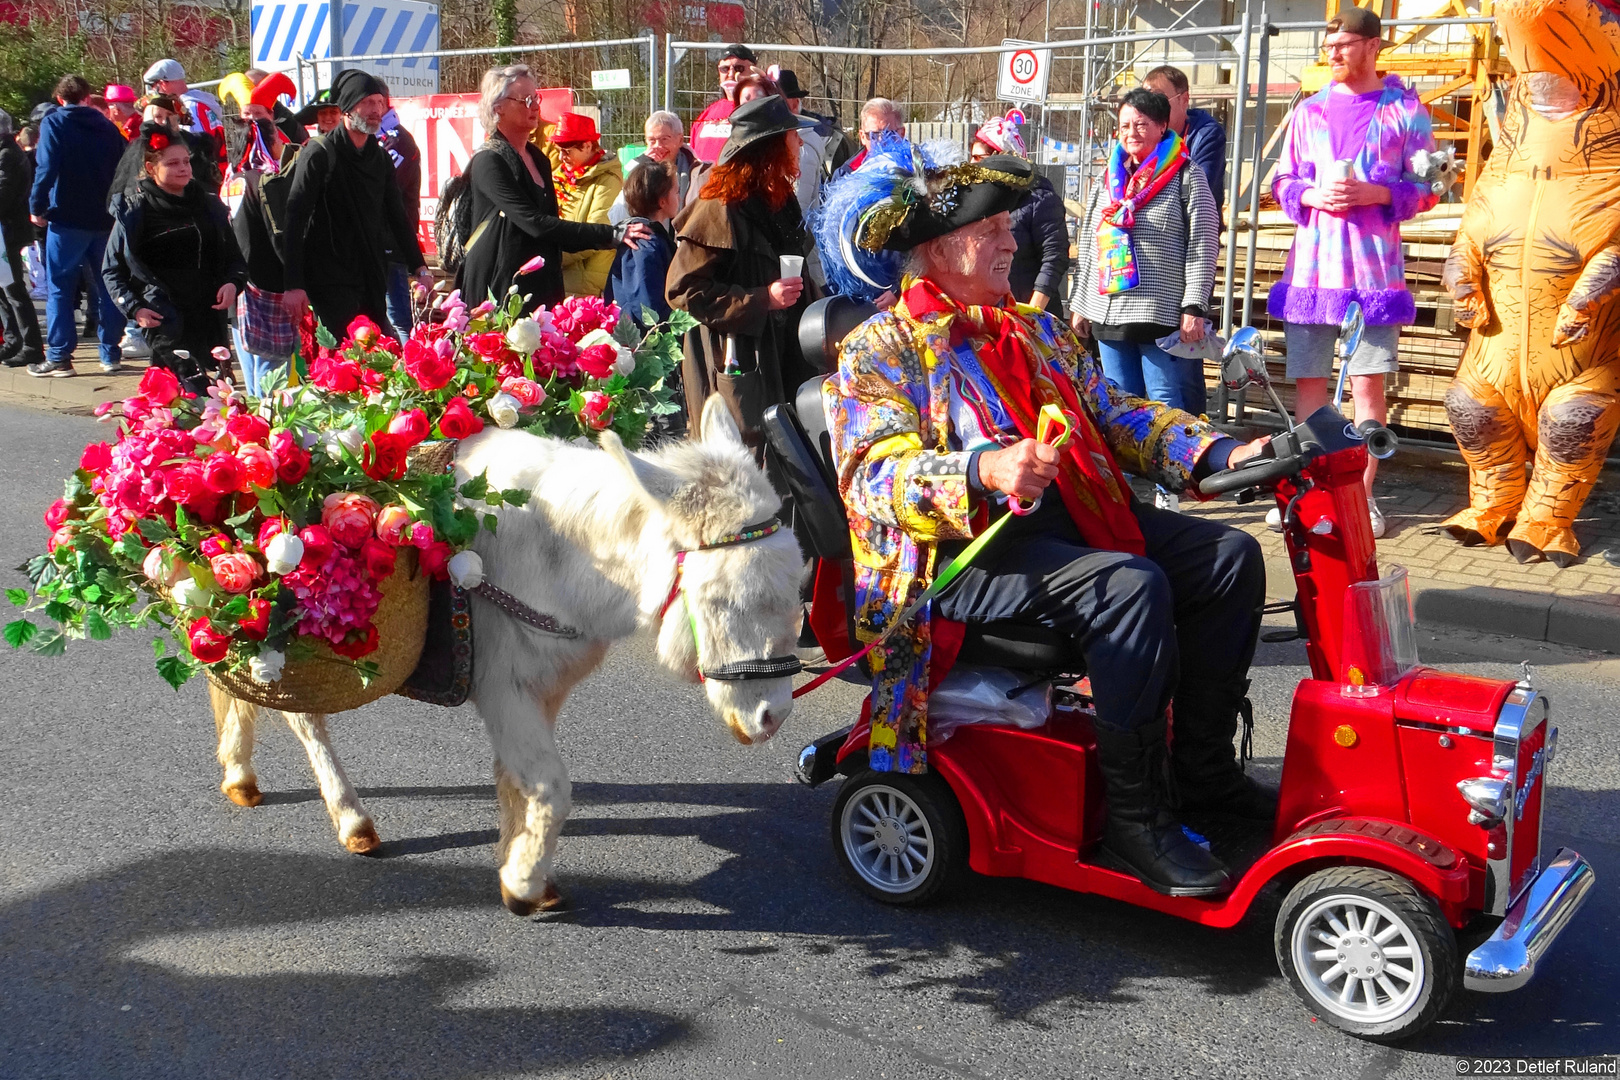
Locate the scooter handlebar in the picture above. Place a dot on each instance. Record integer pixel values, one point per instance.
(1255, 473)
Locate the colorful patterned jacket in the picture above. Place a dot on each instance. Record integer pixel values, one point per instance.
(1337, 258)
(905, 489)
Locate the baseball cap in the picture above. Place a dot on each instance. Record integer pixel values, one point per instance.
(163, 69)
(739, 52)
(1360, 21)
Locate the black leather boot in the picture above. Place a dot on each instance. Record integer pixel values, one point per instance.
(1208, 773)
(1142, 836)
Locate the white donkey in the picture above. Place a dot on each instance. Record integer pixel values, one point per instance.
(610, 542)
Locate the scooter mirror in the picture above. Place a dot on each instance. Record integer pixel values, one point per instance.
(1245, 339)
(1350, 330)
(1237, 370)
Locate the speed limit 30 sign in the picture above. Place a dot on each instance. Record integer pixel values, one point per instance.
(1024, 72)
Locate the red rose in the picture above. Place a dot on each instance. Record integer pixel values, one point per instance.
(335, 374)
(435, 558)
(58, 512)
(363, 646)
(489, 345)
(258, 467)
(215, 545)
(159, 386)
(246, 428)
(430, 370)
(184, 483)
(597, 361)
(458, 421)
(272, 528)
(384, 456)
(363, 332)
(378, 558)
(595, 410)
(256, 623)
(317, 546)
(293, 465)
(223, 474)
(208, 645)
(412, 425)
(96, 457)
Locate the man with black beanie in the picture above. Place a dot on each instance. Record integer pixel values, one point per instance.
(343, 191)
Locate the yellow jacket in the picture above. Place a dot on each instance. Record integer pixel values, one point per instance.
(585, 273)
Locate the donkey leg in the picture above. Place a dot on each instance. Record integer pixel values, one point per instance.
(532, 787)
(353, 823)
(234, 720)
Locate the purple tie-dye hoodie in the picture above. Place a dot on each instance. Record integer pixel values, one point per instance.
(1337, 258)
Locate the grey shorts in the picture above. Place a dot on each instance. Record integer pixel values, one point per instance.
(1313, 350)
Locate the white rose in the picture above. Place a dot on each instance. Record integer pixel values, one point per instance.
(524, 336)
(597, 337)
(354, 438)
(626, 362)
(266, 667)
(503, 409)
(188, 594)
(283, 554)
(466, 569)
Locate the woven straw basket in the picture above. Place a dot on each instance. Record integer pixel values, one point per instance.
(328, 683)
(432, 457)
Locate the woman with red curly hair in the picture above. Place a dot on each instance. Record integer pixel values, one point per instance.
(173, 265)
(729, 274)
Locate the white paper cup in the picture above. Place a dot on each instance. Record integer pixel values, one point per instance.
(792, 266)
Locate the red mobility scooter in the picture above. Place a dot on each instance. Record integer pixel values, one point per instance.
(1411, 799)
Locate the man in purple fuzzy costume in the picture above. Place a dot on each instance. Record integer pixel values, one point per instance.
(1340, 179)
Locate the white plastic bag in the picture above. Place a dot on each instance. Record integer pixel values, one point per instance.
(979, 695)
(1208, 347)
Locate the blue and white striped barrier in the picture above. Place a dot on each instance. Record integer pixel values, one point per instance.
(284, 30)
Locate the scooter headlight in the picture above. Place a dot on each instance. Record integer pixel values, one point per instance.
(1489, 798)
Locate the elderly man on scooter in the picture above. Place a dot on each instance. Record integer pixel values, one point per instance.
(933, 413)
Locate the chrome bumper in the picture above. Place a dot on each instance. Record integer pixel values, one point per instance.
(1508, 958)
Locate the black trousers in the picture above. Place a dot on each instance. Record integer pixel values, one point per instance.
(1181, 621)
(18, 319)
(337, 305)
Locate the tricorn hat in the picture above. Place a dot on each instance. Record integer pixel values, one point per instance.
(935, 201)
(760, 119)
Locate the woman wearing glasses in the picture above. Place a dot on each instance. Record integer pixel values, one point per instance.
(1147, 260)
(514, 201)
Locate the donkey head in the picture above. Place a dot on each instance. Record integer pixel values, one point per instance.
(738, 600)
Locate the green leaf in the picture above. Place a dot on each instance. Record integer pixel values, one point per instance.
(269, 502)
(50, 642)
(516, 496)
(323, 338)
(236, 608)
(681, 321)
(58, 611)
(368, 671)
(18, 597)
(129, 547)
(648, 317)
(477, 487)
(95, 627)
(157, 648)
(73, 487)
(490, 521)
(243, 518)
(155, 529)
(90, 593)
(177, 670)
(19, 633)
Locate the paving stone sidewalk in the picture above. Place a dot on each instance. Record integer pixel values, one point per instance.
(1479, 588)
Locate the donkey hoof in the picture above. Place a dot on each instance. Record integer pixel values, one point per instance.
(364, 840)
(246, 793)
(551, 899)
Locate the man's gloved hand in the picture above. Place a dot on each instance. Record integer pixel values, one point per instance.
(1023, 469)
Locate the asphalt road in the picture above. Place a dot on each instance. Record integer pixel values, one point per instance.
(148, 928)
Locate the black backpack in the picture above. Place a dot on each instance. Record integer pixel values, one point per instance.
(453, 223)
(273, 192)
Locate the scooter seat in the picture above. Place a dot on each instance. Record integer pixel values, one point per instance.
(1022, 647)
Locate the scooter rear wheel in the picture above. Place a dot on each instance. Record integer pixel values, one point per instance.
(900, 838)
(1368, 952)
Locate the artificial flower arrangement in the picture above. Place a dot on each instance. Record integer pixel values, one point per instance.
(263, 533)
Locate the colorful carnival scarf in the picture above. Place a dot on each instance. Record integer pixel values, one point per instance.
(568, 181)
(1006, 344)
(1116, 262)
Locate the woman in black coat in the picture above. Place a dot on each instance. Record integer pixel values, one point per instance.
(172, 262)
(514, 203)
(23, 345)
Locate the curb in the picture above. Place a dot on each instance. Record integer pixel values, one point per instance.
(87, 389)
(1586, 623)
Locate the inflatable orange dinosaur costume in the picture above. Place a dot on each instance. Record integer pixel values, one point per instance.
(1535, 271)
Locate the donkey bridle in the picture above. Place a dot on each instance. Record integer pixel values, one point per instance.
(771, 667)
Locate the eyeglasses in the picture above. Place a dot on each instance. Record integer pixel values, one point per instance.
(734, 69)
(528, 101)
(1140, 127)
(1336, 47)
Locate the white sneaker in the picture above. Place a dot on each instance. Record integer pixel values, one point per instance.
(1166, 501)
(1377, 517)
(1274, 519)
(135, 348)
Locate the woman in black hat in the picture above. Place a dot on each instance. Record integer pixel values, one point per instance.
(728, 271)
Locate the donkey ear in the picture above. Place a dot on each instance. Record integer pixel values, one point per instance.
(717, 424)
(653, 485)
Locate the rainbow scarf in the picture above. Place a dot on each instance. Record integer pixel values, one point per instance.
(1130, 188)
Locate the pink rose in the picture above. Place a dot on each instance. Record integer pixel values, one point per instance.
(162, 568)
(58, 512)
(597, 361)
(596, 410)
(215, 545)
(235, 571)
(421, 534)
(431, 368)
(393, 524)
(185, 485)
(258, 466)
(159, 386)
(96, 457)
(412, 424)
(292, 460)
(435, 559)
(271, 528)
(348, 516)
(246, 428)
(363, 332)
(61, 536)
(527, 391)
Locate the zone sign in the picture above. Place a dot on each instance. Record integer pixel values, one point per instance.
(1024, 72)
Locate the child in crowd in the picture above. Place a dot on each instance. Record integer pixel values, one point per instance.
(636, 281)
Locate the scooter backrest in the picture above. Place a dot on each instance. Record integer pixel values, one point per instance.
(824, 326)
(797, 436)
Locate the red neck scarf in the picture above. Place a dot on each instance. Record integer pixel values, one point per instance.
(568, 180)
(1090, 481)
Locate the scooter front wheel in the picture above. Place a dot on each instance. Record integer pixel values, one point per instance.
(901, 838)
(1367, 951)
